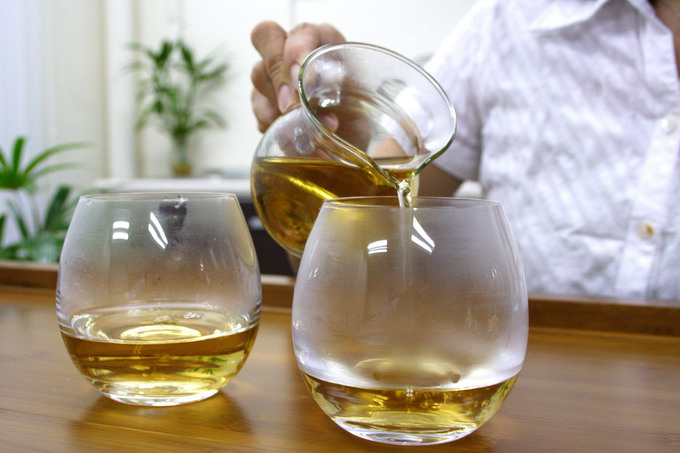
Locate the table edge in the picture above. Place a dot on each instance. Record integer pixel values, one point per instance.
(638, 316)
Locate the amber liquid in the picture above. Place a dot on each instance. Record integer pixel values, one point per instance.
(289, 192)
(409, 415)
(152, 354)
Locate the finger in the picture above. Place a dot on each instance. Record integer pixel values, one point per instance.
(329, 34)
(265, 111)
(269, 39)
(304, 38)
(301, 40)
(262, 82)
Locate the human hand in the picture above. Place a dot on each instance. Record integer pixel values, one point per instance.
(274, 77)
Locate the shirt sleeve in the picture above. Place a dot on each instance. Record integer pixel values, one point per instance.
(456, 65)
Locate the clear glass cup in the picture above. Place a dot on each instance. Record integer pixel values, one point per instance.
(158, 294)
(369, 120)
(410, 324)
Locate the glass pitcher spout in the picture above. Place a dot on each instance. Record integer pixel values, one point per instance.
(369, 120)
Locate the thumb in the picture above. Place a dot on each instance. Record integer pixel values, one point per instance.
(269, 40)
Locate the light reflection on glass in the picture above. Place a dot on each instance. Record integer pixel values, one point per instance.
(424, 241)
(157, 232)
(420, 238)
(120, 230)
(377, 247)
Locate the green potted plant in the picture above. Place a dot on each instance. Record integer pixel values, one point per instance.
(172, 85)
(41, 231)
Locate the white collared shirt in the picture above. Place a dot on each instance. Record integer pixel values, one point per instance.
(569, 115)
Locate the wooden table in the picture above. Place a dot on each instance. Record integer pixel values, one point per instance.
(580, 390)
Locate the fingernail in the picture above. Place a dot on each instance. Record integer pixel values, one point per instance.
(284, 98)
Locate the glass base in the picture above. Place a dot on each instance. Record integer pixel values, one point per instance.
(157, 398)
(405, 438)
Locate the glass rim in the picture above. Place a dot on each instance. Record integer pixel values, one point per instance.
(392, 202)
(157, 196)
(397, 56)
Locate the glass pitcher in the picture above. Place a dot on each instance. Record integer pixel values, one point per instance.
(369, 120)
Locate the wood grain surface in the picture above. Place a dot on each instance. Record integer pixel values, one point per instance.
(579, 391)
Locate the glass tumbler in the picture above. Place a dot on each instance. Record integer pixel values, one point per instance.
(410, 324)
(158, 294)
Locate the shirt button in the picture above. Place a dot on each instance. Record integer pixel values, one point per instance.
(669, 123)
(645, 230)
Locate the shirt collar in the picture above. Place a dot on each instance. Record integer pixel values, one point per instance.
(563, 13)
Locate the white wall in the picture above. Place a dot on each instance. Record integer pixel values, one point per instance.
(20, 80)
(87, 96)
(411, 27)
(20, 83)
(75, 83)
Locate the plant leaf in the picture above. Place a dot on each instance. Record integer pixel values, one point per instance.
(187, 56)
(42, 248)
(17, 152)
(51, 151)
(136, 46)
(56, 218)
(3, 218)
(135, 66)
(3, 161)
(164, 54)
(50, 169)
(214, 73)
(11, 180)
(171, 85)
(8, 253)
(19, 219)
(215, 117)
